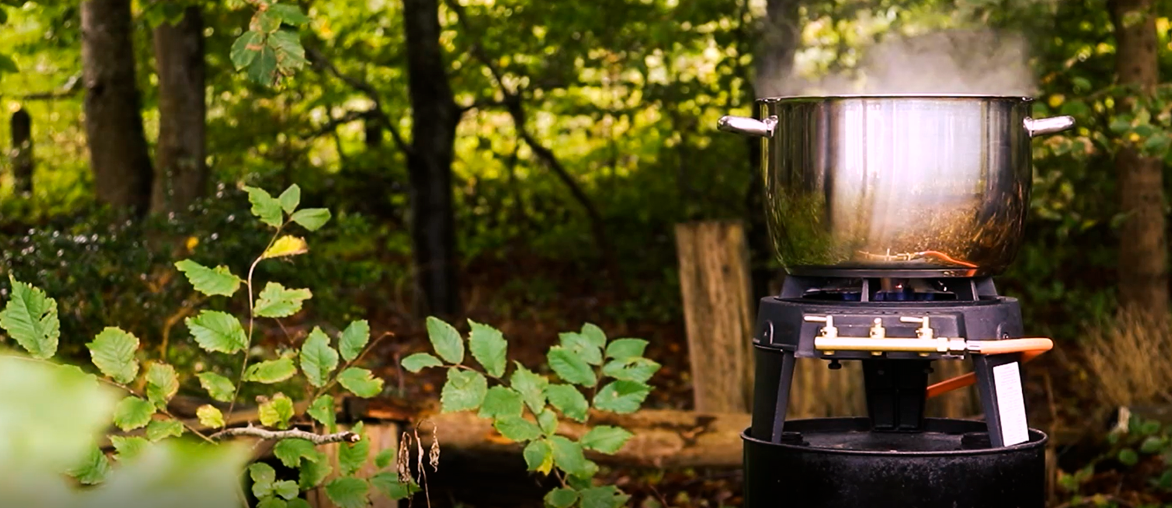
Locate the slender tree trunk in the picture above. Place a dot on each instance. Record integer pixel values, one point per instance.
(22, 151)
(182, 174)
(435, 116)
(1143, 249)
(113, 121)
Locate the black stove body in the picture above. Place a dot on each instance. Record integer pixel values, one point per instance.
(895, 456)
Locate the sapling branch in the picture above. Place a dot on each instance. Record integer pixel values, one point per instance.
(334, 379)
(272, 435)
(251, 313)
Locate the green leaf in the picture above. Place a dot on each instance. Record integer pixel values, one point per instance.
(322, 410)
(568, 400)
(219, 387)
(531, 387)
(93, 468)
(389, 485)
(1120, 124)
(264, 206)
(162, 384)
(561, 497)
(1128, 457)
(133, 413)
(271, 371)
(263, 476)
(275, 301)
(1082, 83)
(548, 421)
(420, 361)
(245, 49)
(625, 348)
(603, 497)
(570, 367)
(594, 334)
(7, 64)
(286, 246)
(1152, 444)
(464, 390)
(313, 471)
(384, 458)
(605, 439)
(501, 402)
(634, 368)
(582, 347)
(568, 456)
(516, 428)
(161, 429)
(348, 492)
(286, 489)
(112, 352)
(276, 412)
(318, 359)
(354, 338)
(1157, 142)
(621, 396)
(489, 348)
(290, 198)
(539, 456)
(351, 456)
(291, 56)
(263, 71)
(217, 331)
(209, 281)
(446, 340)
(266, 21)
(291, 451)
(30, 317)
(210, 416)
(312, 218)
(360, 382)
(128, 447)
(289, 13)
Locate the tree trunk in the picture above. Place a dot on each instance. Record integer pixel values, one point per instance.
(22, 152)
(718, 313)
(1143, 250)
(182, 174)
(113, 121)
(435, 116)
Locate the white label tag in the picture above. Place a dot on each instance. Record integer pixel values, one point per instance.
(1011, 404)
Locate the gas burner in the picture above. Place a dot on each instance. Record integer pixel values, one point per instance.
(868, 289)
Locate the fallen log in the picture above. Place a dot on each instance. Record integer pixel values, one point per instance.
(662, 438)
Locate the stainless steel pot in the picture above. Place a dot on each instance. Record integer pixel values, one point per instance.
(896, 186)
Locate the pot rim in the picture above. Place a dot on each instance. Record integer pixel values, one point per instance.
(889, 96)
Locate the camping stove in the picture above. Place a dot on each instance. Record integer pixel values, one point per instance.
(893, 457)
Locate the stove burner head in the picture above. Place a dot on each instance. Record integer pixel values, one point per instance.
(888, 290)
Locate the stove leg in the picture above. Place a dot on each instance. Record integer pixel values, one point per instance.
(999, 383)
(783, 385)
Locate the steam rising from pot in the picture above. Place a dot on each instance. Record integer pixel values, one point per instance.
(977, 62)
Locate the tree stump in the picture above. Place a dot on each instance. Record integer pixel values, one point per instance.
(716, 290)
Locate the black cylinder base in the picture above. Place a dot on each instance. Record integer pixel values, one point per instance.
(840, 463)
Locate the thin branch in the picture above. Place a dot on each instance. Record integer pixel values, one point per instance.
(514, 105)
(252, 315)
(320, 61)
(317, 439)
(70, 89)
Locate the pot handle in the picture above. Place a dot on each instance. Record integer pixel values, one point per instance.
(1040, 126)
(748, 126)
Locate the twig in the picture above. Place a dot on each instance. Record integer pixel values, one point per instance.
(70, 89)
(320, 61)
(317, 439)
(349, 364)
(251, 315)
